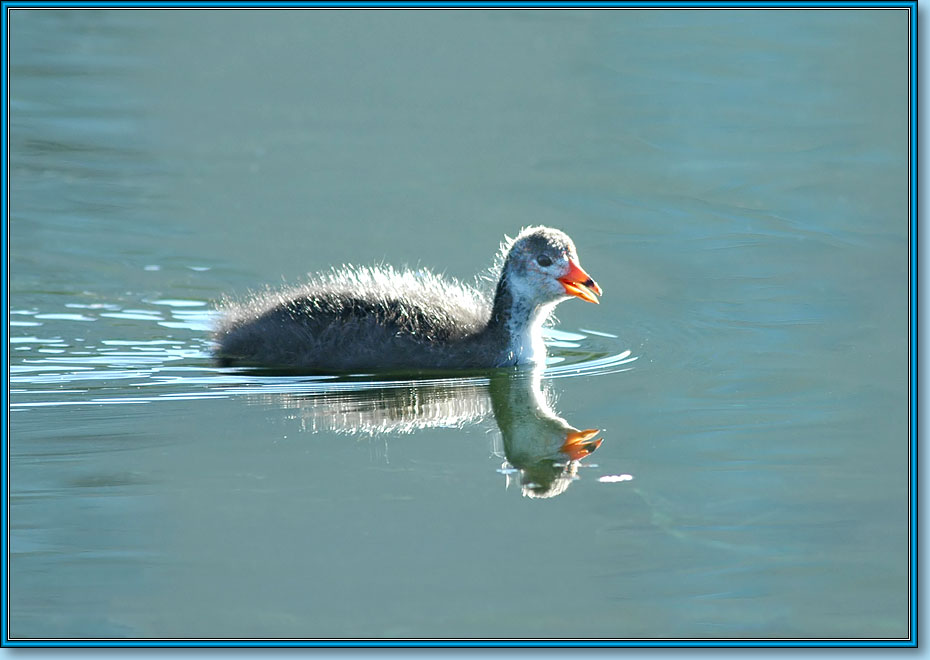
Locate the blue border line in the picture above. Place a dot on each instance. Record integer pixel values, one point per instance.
(5, 277)
(912, 344)
(12, 4)
(468, 644)
(4, 251)
(5, 641)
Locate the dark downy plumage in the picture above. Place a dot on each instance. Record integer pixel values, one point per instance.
(356, 318)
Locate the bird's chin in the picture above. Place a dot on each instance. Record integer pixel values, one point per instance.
(579, 290)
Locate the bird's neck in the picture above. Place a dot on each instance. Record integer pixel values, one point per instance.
(517, 324)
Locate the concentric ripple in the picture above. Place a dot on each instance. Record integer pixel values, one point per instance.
(155, 350)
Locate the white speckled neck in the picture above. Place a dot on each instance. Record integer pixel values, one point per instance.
(525, 330)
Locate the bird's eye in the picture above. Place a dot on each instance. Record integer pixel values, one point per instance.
(543, 260)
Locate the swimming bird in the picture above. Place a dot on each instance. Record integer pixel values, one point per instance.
(377, 318)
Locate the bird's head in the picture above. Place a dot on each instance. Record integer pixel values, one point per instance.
(542, 266)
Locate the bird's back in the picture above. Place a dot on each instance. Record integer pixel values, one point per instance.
(358, 318)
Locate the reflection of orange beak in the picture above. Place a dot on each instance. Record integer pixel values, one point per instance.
(579, 444)
(579, 283)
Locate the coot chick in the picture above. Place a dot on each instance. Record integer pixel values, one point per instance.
(357, 318)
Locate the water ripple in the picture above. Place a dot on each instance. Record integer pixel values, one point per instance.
(146, 364)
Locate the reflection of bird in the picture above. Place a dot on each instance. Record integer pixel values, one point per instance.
(399, 408)
(371, 318)
(540, 444)
(543, 447)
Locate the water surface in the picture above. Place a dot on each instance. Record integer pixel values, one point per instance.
(736, 181)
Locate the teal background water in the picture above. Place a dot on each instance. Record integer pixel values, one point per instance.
(737, 183)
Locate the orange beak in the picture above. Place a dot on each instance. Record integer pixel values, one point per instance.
(579, 283)
(579, 444)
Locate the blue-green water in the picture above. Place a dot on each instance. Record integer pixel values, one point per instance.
(736, 181)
